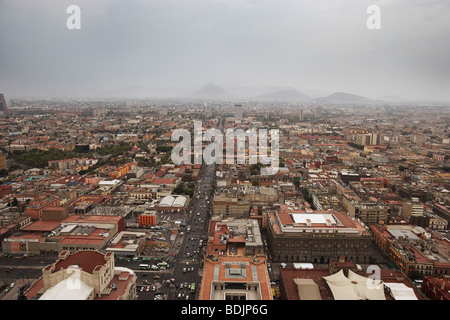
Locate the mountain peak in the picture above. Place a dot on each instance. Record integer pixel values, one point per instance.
(211, 90)
(343, 97)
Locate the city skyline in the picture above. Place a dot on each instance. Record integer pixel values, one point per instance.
(248, 151)
(171, 48)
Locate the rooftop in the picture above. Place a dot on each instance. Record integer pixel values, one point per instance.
(395, 285)
(235, 272)
(287, 220)
(88, 260)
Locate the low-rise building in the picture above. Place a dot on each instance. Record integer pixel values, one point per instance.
(316, 236)
(344, 281)
(127, 243)
(368, 212)
(74, 233)
(413, 249)
(38, 205)
(84, 275)
(436, 288)
(235, 267)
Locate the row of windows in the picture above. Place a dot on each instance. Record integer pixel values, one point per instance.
(321, 259)
(329, 245)
(76, 248)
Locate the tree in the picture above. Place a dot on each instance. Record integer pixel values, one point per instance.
(307, 196)
(255, 168)
(296, 181)
(40, 158)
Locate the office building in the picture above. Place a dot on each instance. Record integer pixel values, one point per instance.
(411, 208)
(238, 112)
(3, 165)
(208, 111)
(3, 105)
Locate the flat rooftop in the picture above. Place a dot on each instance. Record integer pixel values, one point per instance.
(300, 220)
(313, 218)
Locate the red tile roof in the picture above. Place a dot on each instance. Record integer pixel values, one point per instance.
(87, 260)
(42, 225)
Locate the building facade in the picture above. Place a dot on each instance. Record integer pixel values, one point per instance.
(316, 237)
(84, 275)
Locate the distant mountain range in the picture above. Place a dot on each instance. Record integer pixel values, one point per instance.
(343, 98)
(283, 95)
(212, 91)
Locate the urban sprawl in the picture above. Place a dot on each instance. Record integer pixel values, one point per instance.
(93, 207)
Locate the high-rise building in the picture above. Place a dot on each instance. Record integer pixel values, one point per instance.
(368, 139)
(3, 106)
(238, 112)
(3, 165)
(374, 139)
(364, 139)
(300, 115)
(208, 112)
(318, 112)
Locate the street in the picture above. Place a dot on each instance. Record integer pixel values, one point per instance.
(185, 257)
(189, 258)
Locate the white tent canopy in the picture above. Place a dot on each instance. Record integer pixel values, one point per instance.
(400, 291)
(368, 289)
(354, 287)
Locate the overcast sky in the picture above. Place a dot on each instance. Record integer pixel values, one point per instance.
(321, 45)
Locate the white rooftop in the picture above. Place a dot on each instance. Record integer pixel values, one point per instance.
(314, 218)
(71, 288)
(173, 201)
(400, 291)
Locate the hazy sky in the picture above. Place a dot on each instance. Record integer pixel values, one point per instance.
(321, 45)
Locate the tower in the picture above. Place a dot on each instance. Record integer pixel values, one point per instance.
(208, 112)
(2, 102)
(238, 112)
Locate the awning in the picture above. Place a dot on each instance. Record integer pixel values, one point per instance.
(307, 289)
(354, 287)
(400, 291)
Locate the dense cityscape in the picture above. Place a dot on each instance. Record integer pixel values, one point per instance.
(220, 158)
(93, 206)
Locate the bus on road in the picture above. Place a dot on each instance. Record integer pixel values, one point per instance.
(144, 266)
(163, 265)
(192, 287)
